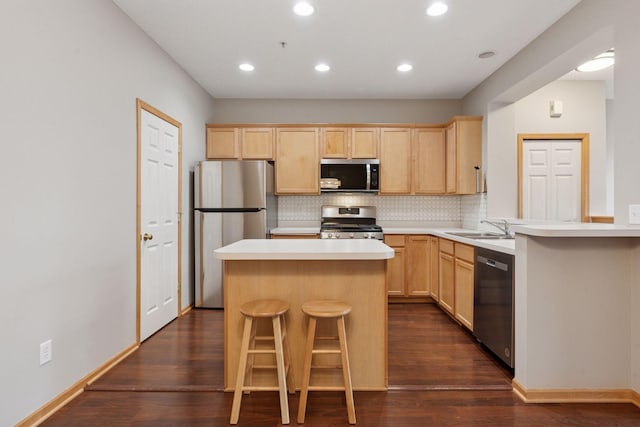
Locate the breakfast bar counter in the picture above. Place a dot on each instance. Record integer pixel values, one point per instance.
(301, 270)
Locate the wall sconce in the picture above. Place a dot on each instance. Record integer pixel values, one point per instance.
(555, 108)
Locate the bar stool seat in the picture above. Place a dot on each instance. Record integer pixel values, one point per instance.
(326, 309)
(252, 311)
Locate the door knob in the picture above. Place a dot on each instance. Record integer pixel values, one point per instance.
(147, 236)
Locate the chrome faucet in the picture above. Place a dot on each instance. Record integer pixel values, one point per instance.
(502, 226)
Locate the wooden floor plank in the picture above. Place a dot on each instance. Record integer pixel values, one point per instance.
(438, 376)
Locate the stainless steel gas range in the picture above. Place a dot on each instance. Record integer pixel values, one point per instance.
(349, 222)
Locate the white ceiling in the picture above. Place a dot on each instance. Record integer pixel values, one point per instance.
(362, 40)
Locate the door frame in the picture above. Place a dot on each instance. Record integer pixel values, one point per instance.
(583, 138)
(141, 105)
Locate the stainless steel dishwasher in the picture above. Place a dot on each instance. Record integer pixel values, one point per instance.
(493, 304)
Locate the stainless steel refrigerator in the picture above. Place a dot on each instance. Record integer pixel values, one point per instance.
(233, 200)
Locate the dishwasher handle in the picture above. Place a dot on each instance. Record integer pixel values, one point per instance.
(493, 263)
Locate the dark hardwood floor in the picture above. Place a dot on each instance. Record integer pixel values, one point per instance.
(438, 376)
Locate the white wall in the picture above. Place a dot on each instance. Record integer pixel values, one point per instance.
(335, 110)
(584, 111)
(71, 72)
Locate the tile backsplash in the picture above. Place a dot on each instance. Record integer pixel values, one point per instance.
(454, 210)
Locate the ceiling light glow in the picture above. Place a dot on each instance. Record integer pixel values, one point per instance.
(598, 63)
(405, 67)
(303, 9)
(246, 67)
(322, 68)
(438, 8)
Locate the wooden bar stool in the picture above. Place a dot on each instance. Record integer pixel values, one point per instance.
(326, 309)
(254, 310)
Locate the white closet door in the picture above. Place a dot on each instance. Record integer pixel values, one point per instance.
(159, 224)
(551, 180)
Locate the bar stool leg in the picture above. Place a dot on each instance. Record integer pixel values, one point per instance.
(291, 383)
(306, 373)
(282, 380)
(242, 365)
(346, 370)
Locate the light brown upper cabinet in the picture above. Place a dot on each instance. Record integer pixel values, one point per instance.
(464, 154)
(349, 143)
(251, 143)
(395, 160)
(429, 160)
(364, 143)
(223, 143)
(336, 143)
(297, 160)
(257, 143)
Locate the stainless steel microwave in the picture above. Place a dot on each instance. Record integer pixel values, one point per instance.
(357, 175)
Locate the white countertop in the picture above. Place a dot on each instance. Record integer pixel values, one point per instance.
(506, 246)
(577, 230)
(305, 249)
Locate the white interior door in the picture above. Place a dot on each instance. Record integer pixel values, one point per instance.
(159, 223)
(551, 181)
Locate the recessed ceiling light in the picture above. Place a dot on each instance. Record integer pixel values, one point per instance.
(405, 67)
(487, 54)
(303, 9)
(246, 67)
(598, 63)
(322, 67)
(436, 9)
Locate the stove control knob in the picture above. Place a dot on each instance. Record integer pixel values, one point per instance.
(351, 235)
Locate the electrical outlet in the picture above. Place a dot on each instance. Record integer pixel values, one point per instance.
(634, 214)
(45, 352)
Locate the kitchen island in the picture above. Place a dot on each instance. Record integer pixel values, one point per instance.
(300, 270)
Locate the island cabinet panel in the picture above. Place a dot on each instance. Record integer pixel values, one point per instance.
(429, 161)
(297, 161)
(361, 283)
(446, 266)
(464, 276)
(395, 161)
(396, 266)
(223, 143)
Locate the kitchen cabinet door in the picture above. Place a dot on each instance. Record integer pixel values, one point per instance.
(464, 277)
(464, 154)
(429, 161)
(396, 267)
(446, 275)
(335, 143)
(418, 266)
(223, 143)
(395, 161)
(297, 161)
(434, 254)
(395, 273)
(257, 143)
(364, 143)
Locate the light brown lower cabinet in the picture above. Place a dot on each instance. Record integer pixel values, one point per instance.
(464, 273)
(396, 265)
(446, 265)
(410, 272)
(456, 276)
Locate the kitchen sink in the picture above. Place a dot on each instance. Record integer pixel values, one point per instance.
(480, 235)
